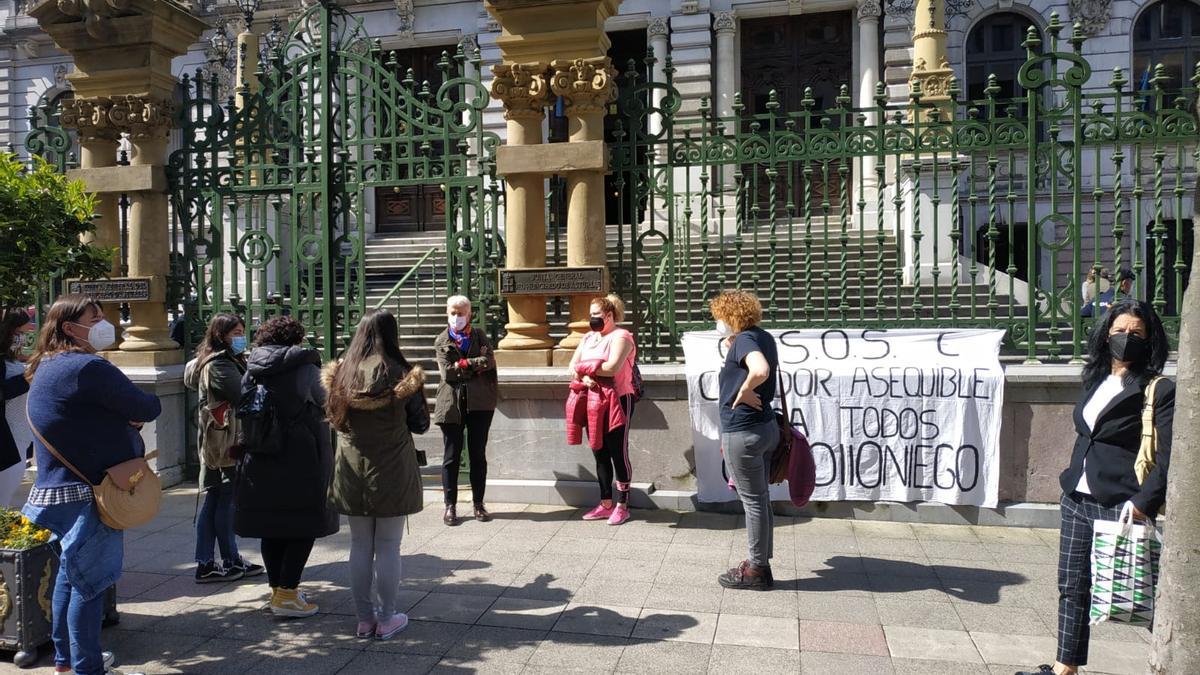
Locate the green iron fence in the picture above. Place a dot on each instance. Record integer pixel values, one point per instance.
(958, 212)
(270, 198)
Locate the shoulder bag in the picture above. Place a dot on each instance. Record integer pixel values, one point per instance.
(130, 494)
(1148, 452)
(792, 460)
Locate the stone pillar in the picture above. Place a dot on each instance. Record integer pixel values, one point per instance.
(149, 244)
(587, 86)
(247, 67)
(98, 141)
(656, 36)
(725, 25)
(868, 77)
(522, 89)
(931, 72)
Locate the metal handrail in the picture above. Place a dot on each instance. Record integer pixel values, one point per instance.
(404, 279)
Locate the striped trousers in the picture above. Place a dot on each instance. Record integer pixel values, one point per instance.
(1079, 512)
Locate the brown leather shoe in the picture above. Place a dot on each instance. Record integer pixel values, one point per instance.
(481, 514)
(748, 577)
(451, 516)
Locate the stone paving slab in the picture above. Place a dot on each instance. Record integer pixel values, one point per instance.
(538, 590)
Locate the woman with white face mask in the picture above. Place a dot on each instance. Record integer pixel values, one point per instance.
(86, 411)
(15, 327)
(466, 402)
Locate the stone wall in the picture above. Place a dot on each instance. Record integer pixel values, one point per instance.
(529, 459)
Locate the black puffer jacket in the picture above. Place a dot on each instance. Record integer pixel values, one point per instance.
(283, 496)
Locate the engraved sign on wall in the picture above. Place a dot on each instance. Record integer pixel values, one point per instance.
(130, 289)
(553, 281)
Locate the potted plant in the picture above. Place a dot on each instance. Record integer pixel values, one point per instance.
(28, 569)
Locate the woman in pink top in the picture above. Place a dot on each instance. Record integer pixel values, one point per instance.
(615, 347)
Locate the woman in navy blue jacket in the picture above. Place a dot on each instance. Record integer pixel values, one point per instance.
(91, 413)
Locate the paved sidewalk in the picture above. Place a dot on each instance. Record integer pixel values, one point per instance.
(540, 591)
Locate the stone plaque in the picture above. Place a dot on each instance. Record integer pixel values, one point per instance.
(554, 281)
(128, 289)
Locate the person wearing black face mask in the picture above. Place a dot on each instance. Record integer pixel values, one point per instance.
(1126, 351)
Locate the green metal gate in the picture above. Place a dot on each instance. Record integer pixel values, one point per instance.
(270, 197)
(966, 213)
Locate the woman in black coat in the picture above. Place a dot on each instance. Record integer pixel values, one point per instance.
(1126, 350)
(281, 497)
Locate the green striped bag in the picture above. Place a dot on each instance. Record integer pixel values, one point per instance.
(1124, 570)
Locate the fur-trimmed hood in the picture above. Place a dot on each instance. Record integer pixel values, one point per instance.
(380, 382)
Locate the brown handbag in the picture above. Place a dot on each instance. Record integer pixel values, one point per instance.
(130, 494)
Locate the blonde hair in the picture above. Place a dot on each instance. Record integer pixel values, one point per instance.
(611, 304)
(737, 308)
(458, 301)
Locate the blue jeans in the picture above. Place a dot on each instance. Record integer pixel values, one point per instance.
(92, 554)
(215, 524)
(77, 637)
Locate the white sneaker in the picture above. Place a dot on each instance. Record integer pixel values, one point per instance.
(110, 660)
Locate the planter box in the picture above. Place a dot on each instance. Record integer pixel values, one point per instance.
(26, 593)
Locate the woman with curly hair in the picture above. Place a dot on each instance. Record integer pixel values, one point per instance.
(376, 403)
(749, 432)
(280, 496)
(1126, 353)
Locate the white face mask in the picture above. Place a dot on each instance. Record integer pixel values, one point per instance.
(458, 322)
(723, 328)
(18, 342)
(101, 335)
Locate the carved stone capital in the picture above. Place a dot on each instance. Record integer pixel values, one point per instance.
(869, 10)
(659, 26)
(96, 14)
(724, 22)
(90, 119)
(1091, 15)
(522, 89)
(144, 118)
(586, 85)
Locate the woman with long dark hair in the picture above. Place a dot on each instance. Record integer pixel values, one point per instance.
(85, 410)
(15, 326)
(1127, 350)
(280, 493)
(376, 402)
(216, 373)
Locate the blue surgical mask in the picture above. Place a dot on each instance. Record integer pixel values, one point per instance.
(238, 344)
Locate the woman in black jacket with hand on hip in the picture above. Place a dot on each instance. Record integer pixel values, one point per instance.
(1126, 351)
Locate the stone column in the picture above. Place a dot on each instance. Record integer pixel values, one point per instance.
(931, 72)
(149, 124)
(725, 25)
(587, 86)
(656, 35)
(522, 89)
(246, 81)
(98, 141)
(868, 76)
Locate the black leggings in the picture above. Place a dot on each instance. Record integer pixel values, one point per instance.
(285, 560)
(613, 458)
(477, 426)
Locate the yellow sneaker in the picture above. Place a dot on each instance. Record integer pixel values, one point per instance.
(290, 602)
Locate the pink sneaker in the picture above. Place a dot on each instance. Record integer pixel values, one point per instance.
(601, 512)
(619, 515)
(387, 629)
(365, 630)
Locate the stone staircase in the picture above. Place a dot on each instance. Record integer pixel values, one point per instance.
(814, 291)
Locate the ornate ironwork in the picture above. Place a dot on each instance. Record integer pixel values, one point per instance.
(270, 198)
(966, 213)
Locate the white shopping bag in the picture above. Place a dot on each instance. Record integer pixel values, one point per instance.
(1124, 570)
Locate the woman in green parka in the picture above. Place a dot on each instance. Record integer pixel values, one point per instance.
(216, 373)
(376, 401)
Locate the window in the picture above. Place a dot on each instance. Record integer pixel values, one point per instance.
(994, 48)
(1167, 33)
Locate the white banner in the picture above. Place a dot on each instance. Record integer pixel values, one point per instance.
(892, 415)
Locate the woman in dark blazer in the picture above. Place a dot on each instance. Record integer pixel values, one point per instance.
(1126, 350)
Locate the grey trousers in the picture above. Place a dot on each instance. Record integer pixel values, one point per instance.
(748, 458)
(375, 565)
